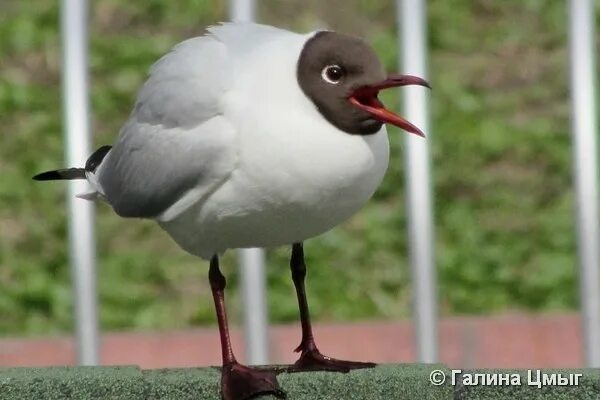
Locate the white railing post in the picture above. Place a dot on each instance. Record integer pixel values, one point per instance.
(82, 242)
(585, 168)
(252, 261)
(411, 16)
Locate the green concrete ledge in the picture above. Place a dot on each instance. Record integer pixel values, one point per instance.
(385, 382)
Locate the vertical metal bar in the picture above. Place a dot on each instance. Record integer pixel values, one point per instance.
(413, 59)
(252, 273)
(585, 165)
(74, 19)
(242, 10)
(252, 261)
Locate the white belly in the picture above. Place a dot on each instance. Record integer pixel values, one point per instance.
(284, 192)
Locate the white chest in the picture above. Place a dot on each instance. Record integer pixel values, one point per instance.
(283, 193)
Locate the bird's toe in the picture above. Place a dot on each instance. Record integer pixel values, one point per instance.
(239, 382)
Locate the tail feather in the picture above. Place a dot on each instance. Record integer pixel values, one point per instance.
(68, 173)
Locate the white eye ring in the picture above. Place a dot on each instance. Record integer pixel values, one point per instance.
(327, 71)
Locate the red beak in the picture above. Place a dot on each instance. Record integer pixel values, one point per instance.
(365, 98)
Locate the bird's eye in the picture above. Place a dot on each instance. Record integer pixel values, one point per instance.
(332, 74)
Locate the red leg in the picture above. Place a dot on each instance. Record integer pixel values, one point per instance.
(311, 358)
(238, 382)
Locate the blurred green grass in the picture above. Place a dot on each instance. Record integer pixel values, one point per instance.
(501, 156)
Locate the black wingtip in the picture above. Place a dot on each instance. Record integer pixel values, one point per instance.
(95, 159)
(71, 173)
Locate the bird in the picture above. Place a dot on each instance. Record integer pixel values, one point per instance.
(252, 136)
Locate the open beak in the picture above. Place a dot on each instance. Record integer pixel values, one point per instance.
(365, 98)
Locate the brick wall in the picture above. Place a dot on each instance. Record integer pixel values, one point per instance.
(505, 341)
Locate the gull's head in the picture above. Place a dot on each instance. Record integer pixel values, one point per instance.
(342, 76)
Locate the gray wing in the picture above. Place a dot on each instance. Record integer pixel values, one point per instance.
(150, 169)
(176, 146)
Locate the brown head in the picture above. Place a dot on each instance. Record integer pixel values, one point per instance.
(342, 76)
